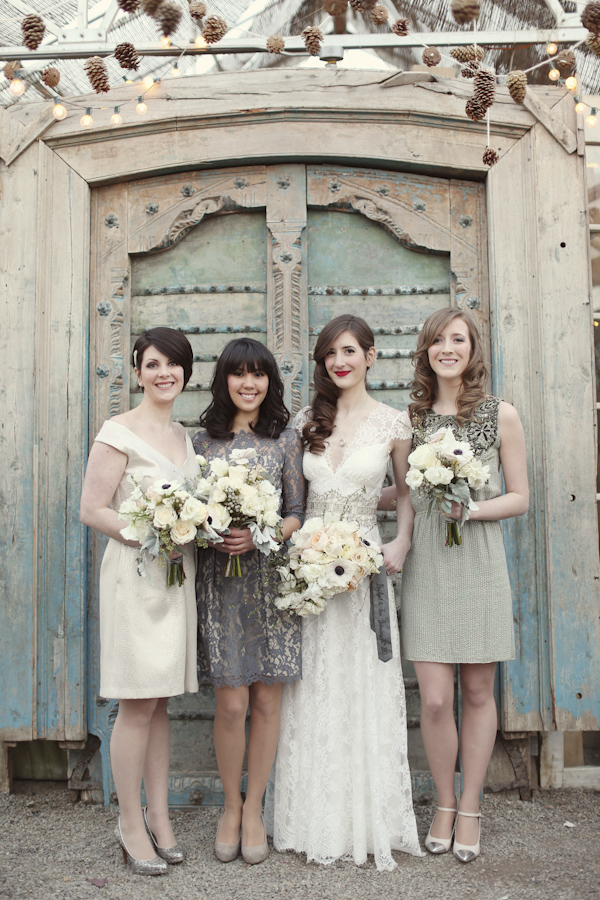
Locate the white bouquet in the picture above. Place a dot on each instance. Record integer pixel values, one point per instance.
(240, 492)
(327, 557)
(446, 471)
(164, 518)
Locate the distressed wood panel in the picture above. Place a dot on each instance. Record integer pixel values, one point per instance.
(60, 434)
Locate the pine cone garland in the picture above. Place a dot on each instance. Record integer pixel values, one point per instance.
(363, 6)
(313, 38)
(150, 7)
(51, 77)
(214, 29)
(379, 15)
(10, 69)
(490, 157)
(474, 110)
(335, 7)
(400, 27)
(431, 56)
(484, 87)
(593, 42)
(565, 61)
(168, 16)
(465, 11)
(590, 17)
(467, 54)
(275, 43)
(95, 69)
(127, 57)
(128, 6)
(33, 30)
(471, 69)
(517, 85)
(197, 11)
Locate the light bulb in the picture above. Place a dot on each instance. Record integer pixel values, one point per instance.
(116, 117)
(17, 87)
(551, 48)
(571, 83)
(175, 72)
(553, 74)
(580, 107)
(141, 108)
(200, 42)
(591, 121)
(86, 120)
(59, 111)
(165, 41)
(148, 81)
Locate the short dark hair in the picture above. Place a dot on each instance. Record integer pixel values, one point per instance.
(273, 415)
(169, 341)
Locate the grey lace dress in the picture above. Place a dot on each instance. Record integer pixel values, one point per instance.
(456, 601)
(242, 638)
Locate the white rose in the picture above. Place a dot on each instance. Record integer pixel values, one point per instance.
(193, 510)
(423, 457)
(183, 532)
(164, 517)
(127, 507)
(439, 475)
(202, 488)
(238, 474)
(271, 518)
(201, 460)
(477, 474)
(414, 478)
(218, 467)
(217, 496)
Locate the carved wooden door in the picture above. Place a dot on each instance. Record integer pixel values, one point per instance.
(274, 253)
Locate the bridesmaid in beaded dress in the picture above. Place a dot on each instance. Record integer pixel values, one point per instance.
(245, 647)
(456, 601)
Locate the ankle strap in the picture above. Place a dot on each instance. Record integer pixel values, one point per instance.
(446, 809)
(470, 815)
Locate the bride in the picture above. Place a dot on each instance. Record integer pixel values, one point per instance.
(341, 787)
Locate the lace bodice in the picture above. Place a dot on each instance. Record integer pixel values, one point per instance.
(352, 489)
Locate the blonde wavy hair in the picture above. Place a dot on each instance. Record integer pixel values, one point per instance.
(425, 386)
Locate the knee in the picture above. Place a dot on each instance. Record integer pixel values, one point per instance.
(138, 712)
(437, 704)
(477, 696)
(232, 709)
(264, 700)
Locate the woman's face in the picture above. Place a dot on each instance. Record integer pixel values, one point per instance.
(161, 377)
(346, 361)
(450, 353)
(247, 389)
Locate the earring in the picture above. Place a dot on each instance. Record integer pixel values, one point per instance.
(139, 383)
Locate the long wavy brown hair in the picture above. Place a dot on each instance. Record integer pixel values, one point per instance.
(324, 405)
(425, 386)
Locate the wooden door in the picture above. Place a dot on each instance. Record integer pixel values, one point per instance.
(274, 253)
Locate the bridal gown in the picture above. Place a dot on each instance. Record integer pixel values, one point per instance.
(341, 785)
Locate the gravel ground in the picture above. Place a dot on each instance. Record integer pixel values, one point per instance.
(52, 849)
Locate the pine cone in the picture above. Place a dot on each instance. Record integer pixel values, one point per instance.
(10, 68)
(275, 43)
(197, 10)
(150, 7)
(471, 69)
(590, 17)
(484, 87)
(400, 27)
(474, 110)
(335, 7)
(128, 6)
(214, 29)
(431, 56)
(467, 54)
(379, 15)
(95, 69)
(363, 6)
(517, 85)
(593, 42)
(168, 16)
(465, 11)
(490, 157)
(33, 30)
(126, 56)
(51, 77)
(565, 61)
(313, 38)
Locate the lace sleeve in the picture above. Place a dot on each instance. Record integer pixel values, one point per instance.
(292, 479)
(401, 429)
(300, 419)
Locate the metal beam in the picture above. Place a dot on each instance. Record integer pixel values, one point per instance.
(294, 46)
(27, 9)
(556, 8)
(82, 14)
(109, 17)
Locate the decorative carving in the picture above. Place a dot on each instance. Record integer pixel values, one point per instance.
(187, 219)
(286, 257)
(383, 190)
(152, 208)
(335, 185)
(102, 371)
(188, 190)
(111, 221)
(283, 183)
(104, 308)
(474, 303)
(240, 182)
(117, 345)
(419, 205)
(465, 221)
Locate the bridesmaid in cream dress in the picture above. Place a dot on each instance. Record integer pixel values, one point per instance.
(147, 630)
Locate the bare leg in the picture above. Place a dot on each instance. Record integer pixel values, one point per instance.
(156, 776)
(438, 728)
(479, 723)
(128, 749)
(265, 701)
(230, 746)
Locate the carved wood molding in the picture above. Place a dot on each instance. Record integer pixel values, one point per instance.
(287, 306)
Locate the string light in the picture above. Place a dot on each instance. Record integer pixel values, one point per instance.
(148, 81)
(571, 83)
(86, 120)
(141, 107)
(552, 48)
(17, 87)
(116, 117)
(165, 41)
(200, 42)
(175, 72)
(580, 107)
(554, 74)
(59, 111)
(592, 119)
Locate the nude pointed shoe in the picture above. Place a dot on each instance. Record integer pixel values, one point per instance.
(254, 855)
(464, 852)
(437, 845)
(226, 852)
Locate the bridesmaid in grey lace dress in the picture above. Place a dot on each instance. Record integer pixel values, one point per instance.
(245, 647)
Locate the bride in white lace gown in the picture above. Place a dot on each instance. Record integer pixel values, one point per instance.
(341, 785)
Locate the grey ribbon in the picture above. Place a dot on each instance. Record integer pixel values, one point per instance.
(380, 615)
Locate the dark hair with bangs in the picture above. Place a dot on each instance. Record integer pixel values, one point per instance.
(169, 341)
(238, 355)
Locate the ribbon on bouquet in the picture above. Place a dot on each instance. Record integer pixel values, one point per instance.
(380, 615)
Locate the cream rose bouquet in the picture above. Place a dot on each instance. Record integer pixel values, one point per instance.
(446, 471)
(241, 493)
(163, 518)
(326, 557)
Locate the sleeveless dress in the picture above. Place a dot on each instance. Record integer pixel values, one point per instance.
(147, 630)
(242, 638)
(456, 601)
(341, 786)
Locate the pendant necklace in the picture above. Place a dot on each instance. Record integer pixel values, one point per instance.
(342, 441)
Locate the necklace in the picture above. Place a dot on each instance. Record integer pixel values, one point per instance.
(342, 441)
